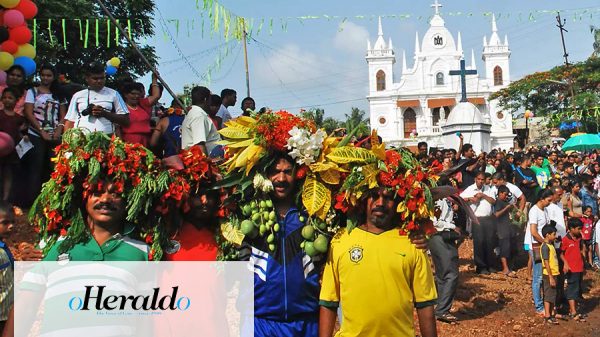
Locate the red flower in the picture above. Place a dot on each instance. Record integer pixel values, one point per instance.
(411, 205)
(341, 203)
(428, 228)
(301, 172)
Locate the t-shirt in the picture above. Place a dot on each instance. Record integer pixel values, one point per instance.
(586, 230)
(504, 227)
(6, 281)
(526, 174)
(555, 212)
(548, 253)
(483, 207)
(197, 128)
(224, 114)
(379, 279)
(46, 110)
(540, 218)
(194, 245)
(468, 177)
(107, 98)
(571, 247)
(515, 192)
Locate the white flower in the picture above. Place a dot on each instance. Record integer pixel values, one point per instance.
(68, 155)
(267, 186)
(262, 184)
(305, 147)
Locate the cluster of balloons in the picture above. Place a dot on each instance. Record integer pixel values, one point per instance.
(15, 36)
(112, 66)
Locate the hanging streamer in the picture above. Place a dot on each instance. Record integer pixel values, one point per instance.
(117, 33)
(129, 28)
(80, 29)
(97, 33)
(50, 32)
(64, 33)
(34, 33)
(107, 33)
(87, 33)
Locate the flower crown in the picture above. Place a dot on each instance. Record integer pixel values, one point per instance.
(91, 160)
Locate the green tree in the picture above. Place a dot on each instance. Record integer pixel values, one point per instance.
(316, 115)
(548, 94)
(356, 118)
(330, 124)
(72, 56)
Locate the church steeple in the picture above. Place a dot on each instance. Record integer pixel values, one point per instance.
(380, 43)
(417, 49)
(459, 44)
(494, 38)
(496, 55)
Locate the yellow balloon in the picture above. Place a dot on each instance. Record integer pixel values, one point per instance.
(6, 60)
(9, 3)
(26, 50)
(115, 62)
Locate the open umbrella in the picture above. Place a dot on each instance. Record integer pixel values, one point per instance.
(582, 142)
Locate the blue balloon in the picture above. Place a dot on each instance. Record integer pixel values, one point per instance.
(111, 70)
(27, 63)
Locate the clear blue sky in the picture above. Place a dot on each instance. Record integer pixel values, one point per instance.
(321, 62)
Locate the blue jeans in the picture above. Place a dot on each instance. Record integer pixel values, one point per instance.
(536, 285)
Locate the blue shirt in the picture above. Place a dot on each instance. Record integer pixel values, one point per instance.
(589, 199)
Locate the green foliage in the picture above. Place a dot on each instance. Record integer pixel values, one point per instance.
(356, 119)
(315, 115)
(73, 57)
(548, 94)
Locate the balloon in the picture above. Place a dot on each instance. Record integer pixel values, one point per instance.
(20, 35)
(27, 63)
(115, 62)
(13, 18)
(7, 144)
(28, 8)
(9, 46)
(3, 34)
(2, 77)
(111, 70)
(9, 3)
(25, 50)
(6, 60)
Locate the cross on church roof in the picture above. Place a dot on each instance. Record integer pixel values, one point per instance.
(462, 73)
(437, 6)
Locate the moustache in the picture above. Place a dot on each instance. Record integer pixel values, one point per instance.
(102, 205)
(379, 209)
(281, 184)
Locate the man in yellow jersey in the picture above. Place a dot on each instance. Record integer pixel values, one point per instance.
(378, 276)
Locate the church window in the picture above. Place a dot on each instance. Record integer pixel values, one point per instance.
(382, 120)
(439, 78)
(436, 116)
(498, 76)
(410, 122)
(380, 80)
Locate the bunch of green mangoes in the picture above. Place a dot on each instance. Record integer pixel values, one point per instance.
(315, 241)
(260, 219)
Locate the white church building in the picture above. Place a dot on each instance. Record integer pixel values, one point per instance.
(422, 100)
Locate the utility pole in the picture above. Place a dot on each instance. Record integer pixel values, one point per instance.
(246, 61)
(561, 27)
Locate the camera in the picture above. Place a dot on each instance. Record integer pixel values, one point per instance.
(87, 111)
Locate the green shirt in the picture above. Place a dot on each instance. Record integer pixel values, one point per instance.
(119, 247)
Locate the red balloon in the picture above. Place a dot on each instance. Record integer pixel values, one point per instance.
(20, 35)
(7, 144)
(9, 46)
(28, 8)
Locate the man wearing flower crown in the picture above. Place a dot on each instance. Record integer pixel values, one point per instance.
(374, 270)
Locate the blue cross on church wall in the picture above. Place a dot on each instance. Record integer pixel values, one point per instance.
(463, 72)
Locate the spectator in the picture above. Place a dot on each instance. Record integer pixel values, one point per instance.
(97, 108)
(587, 232)
(505, 231)
(14, 125)
(15, 78)
(538, 218)
(215, 103)
(481, 198)
(574, 203)
(573, 266)
(515, 197)
(45, 109)
(248, 105)
(550, 264)
(168, 132)
(197, 127)
(526, 180)
(228, 97)
(589, 197)
(468, 172)
(140, 111)
(422, 148)
(7, 263)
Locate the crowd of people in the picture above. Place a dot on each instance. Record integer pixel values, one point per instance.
(541, 201)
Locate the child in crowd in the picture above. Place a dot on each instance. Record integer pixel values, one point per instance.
(504, 229)
(586, 234)
(7, 220)
(12, 124)
(571, 254)
(550, 270)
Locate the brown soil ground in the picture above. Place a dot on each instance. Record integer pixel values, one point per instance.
(492, 305)
(496, 305)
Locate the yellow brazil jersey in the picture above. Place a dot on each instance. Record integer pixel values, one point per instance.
(378, 279)
(549, 253)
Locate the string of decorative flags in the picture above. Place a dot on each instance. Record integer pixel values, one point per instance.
(216, 18)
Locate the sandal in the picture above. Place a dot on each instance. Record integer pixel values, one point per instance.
(577, 317)
(511, 274)
(561, 317)
(447, 318)
(551, 320)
